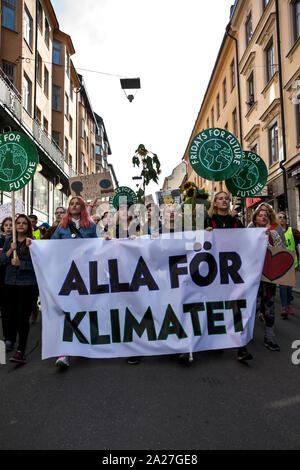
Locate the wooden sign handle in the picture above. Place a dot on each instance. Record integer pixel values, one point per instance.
(13, 216)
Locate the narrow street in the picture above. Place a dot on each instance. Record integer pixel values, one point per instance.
(216, 403)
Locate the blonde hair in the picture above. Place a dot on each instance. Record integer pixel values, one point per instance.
(271, 212)
(256, 213)
(213, 210)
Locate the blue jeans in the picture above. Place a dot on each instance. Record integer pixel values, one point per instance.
(285, 295)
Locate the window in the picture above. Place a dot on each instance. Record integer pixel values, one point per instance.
(27, 94)
(56, 98)
(265, 3)
(10, 71)
(40, 16)
(70, 127)
(234, 122)
(68, 63)
(99, 131)
(248, 28)
(28, 28)
(232, 71)
(296, 16)
(98, 149)
(71, 90)
(56, 52)
(47, 32)
(45, 125)
(40, 193)
(39, 69)
(273, 144)
(9, 14)
(56, 138)
(250, 86)
(46, 82)
(218, 106)
(298, 122)
(93, 152)
(224, 92)
(270, 60)
(82, 163)
(82, 129)
(66, 106)
(38, 115)
(66, 150)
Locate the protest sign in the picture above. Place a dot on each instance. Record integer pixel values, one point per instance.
(279, 266)
(6, 209)
(251, 177)
(168, 196)
(91, 186)
(215, 154)
(122, 298)
(123, 194)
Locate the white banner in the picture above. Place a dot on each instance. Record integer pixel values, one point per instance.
(122, 298)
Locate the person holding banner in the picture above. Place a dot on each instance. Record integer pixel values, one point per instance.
(292, 237)
(107, 222)
(76, 223)
(152, 224)
(267, 291)
(219, 217)
(21, 286)
(6, 228)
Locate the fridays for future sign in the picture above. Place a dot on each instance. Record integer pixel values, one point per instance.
(18, 160)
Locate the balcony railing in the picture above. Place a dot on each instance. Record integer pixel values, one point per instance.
(11, 99)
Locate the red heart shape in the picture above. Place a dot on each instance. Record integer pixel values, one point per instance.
(277, 265)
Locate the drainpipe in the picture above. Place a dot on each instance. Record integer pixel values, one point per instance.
(239, 96)
(281, 164)
(238, 80)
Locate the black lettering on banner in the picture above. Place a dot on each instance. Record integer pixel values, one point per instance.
(94, 287)
(175, 271)
(116, 286)
(73, 281)
(71, 326)
(115, 326)
(131, 323)
(142, 277)
(212, 269)
(171, 326)
(94, 327)
(193, 309)
(236, 306)
(212, 317)
(232, 269)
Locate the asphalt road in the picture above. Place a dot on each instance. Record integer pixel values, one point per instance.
(216, 403)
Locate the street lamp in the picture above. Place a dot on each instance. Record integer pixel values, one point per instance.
(130, 84)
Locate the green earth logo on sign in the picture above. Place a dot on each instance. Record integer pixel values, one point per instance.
(215, 154)
(251, 178)
(13, 162)
(18, 160)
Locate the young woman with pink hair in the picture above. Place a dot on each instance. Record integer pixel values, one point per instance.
(76, 223)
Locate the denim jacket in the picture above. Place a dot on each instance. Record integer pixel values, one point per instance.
(64, 233)
(22, 275)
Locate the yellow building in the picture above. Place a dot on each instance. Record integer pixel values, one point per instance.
(263, 38)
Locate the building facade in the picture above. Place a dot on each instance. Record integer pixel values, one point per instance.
(263, 38)
(42, 95)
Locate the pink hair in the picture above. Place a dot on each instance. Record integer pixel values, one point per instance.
(85, 219)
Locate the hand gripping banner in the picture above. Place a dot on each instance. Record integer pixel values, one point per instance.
(120, 298)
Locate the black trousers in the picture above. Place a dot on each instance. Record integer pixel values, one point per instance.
(19, 304)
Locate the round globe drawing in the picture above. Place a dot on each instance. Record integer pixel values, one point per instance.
(250, 178)
(247, 176)
(216, 155)
(13, 162)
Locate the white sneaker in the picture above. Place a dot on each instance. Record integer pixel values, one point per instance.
(63, 362)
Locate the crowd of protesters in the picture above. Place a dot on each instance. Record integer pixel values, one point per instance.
(19, 291)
